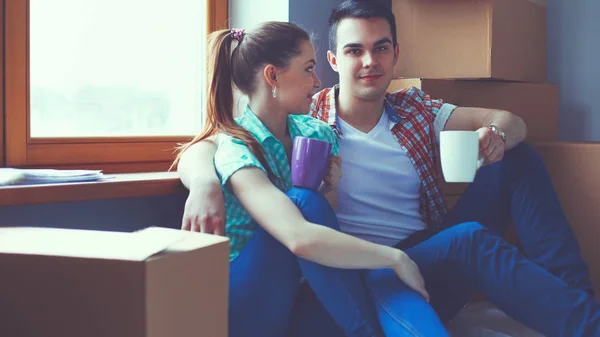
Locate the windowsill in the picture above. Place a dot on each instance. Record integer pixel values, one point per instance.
(127, 185)
(131, 185)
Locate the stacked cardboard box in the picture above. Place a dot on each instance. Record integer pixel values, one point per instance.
(479, 53)
(573, 168)
(476, 39)
(536, 103)
(492, 53)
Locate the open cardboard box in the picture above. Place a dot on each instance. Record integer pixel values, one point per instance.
(150, 283)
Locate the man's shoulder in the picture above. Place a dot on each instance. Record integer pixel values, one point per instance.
(321, 104)
(414, 102)
(406, 97)
(323, 93)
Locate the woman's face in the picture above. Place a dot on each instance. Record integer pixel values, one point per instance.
(298, 83)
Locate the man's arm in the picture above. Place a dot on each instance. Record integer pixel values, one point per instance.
(204, 208)
(463, 118)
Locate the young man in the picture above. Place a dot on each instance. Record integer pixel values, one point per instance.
(390, 193)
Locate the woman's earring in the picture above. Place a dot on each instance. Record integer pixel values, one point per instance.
(274, 92)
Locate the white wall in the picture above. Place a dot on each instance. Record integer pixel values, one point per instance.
(312, 15)
(574, 64)
(309, 14)
(246, 13)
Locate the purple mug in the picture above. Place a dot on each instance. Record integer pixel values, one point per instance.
(309, 162)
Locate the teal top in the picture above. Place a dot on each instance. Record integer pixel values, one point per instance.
(233, 154)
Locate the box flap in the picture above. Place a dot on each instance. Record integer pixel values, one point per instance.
(136, 246)
(194, 241)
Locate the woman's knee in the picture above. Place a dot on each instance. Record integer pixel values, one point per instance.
(262, 256)
(314, 206)
(263, 280)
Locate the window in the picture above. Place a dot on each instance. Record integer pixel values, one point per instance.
(109, 84)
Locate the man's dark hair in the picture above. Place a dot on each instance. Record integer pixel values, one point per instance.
(359, 9)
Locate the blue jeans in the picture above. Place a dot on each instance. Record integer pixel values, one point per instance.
(265, 277)
(549, 290)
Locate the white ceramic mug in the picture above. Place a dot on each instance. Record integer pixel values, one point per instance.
(459, 152)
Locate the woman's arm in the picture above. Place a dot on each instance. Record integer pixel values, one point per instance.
(204, 208)
(196, 165)
(278, 215)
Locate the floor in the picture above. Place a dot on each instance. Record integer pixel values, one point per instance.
(483, 319)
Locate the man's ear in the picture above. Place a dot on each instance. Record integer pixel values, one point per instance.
(270, 75)
(332, 59)
(396, 54)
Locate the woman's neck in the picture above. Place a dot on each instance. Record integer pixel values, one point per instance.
(274, 119)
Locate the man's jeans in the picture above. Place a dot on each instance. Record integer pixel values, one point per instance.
(265, 277)
(549, 291)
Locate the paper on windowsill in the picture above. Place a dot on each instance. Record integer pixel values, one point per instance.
(13, 176)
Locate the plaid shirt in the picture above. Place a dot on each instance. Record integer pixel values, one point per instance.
(233, 155)
(418, 120)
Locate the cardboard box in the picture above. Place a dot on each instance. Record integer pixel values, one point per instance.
(536, 103)
(459, 39)
(151, 283)
(573, 168)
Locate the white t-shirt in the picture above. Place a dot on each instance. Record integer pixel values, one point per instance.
(378, 195)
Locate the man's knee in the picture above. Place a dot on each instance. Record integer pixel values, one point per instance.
(470, 234)
(401, 310)
(523, 155)
(313, 206)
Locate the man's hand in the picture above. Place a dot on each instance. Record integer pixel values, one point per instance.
(205, 209)
(334, 172)
(332, 175)
(491, 146)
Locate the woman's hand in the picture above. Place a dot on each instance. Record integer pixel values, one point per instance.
(205, 209)
(409, 273)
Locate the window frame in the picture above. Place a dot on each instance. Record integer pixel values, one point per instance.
(2, 160)
(113, 155)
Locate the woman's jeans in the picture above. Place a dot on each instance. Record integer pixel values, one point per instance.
(265, 277)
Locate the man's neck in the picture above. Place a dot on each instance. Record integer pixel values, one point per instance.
(362, 114)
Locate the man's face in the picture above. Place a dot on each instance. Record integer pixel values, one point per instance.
(365, 57)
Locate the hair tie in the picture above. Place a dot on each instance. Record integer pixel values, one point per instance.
(237, 34)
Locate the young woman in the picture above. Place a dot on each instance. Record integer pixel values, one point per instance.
(279, 233)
